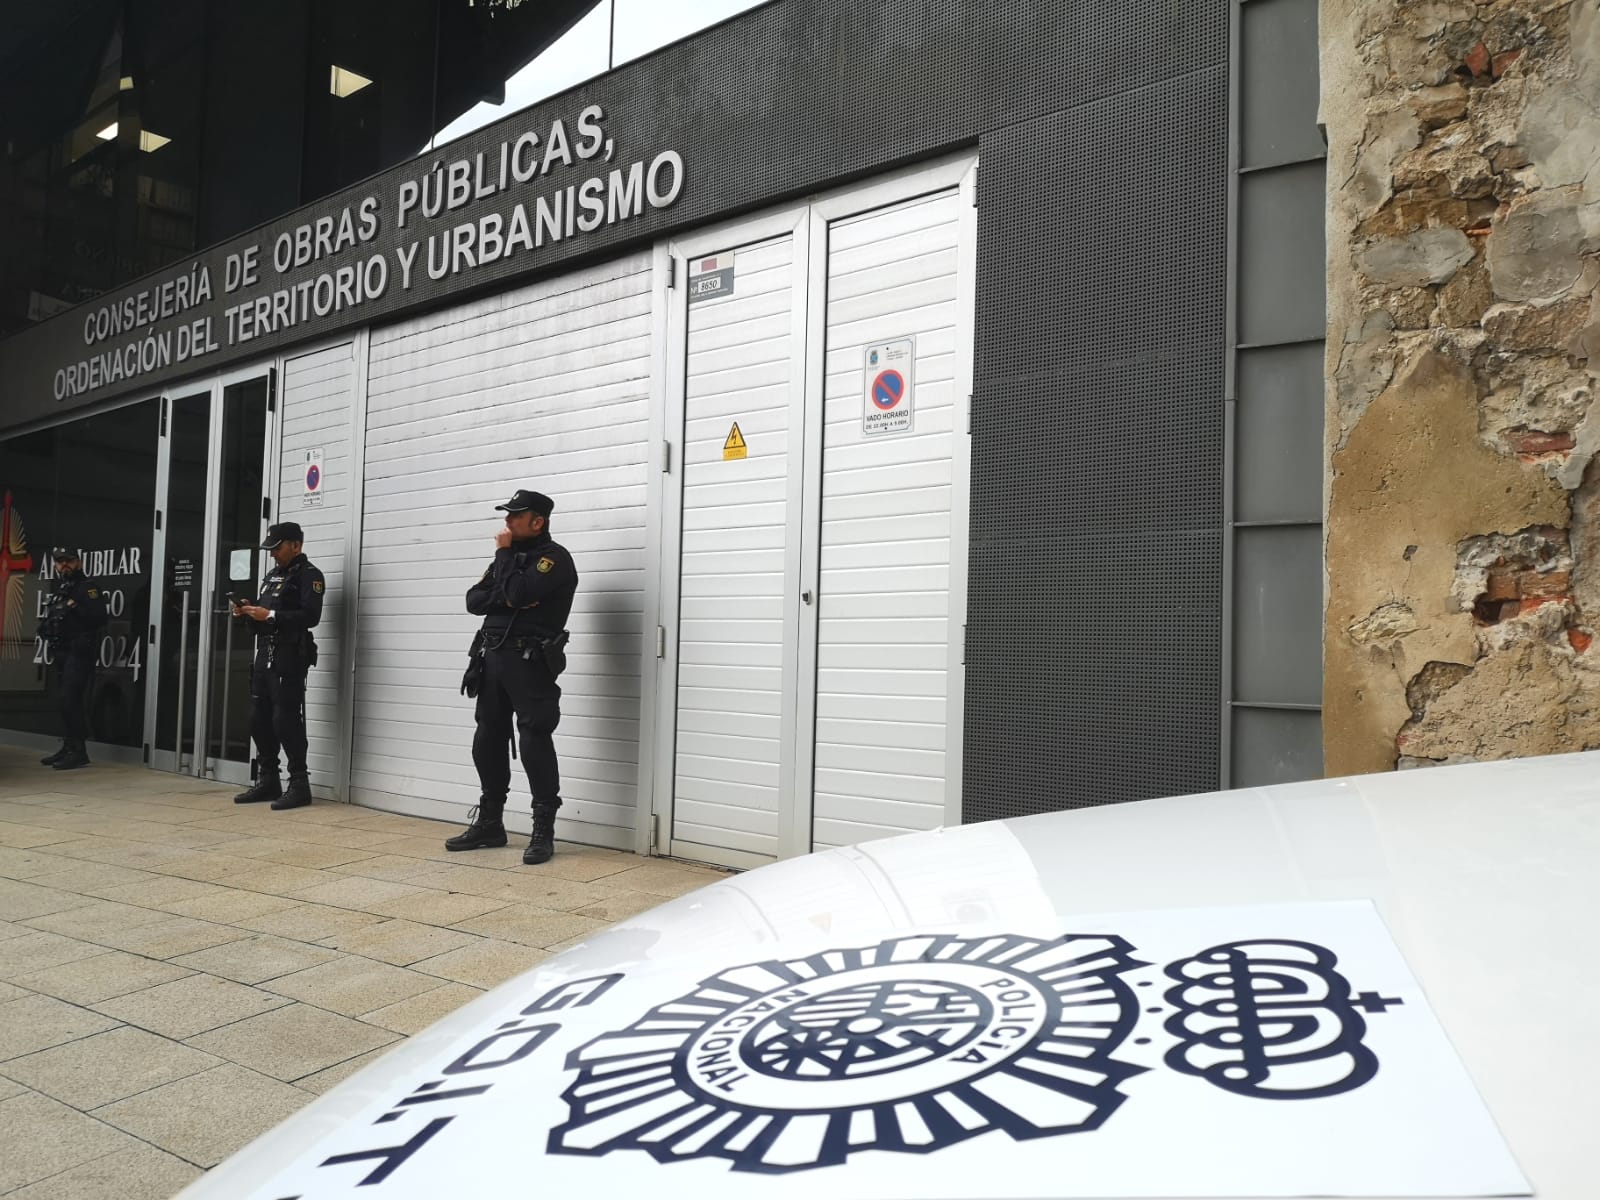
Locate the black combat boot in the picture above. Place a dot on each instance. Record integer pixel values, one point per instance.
(542, 845)
(267, 787)
(487, 828)
(296, 795)
(51, 760)
(74, 758)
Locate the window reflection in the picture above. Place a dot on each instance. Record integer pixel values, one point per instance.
(135, 132)
(47, 498)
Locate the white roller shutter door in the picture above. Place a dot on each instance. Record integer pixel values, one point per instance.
(544, 387)
(318, 395)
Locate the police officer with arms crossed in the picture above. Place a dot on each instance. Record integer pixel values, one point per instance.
(524, 599)
(288, 610)
(75, 611)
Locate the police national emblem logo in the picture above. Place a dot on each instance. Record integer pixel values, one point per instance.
(911, 1045)
(1094, 1065)
(544, 566)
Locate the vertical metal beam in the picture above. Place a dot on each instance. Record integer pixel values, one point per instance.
(355, 518)
(158, 576)
(653, 718)
(1230, 394)
(208, 580)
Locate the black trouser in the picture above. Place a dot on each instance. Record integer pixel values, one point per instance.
(524, 688)
(277, 713)
(76, 662)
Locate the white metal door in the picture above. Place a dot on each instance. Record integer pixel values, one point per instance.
(811, 694)
(891, 510)
(741, 409)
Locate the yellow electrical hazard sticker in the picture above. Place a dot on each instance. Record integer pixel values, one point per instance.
(734, 447)
(544, 566)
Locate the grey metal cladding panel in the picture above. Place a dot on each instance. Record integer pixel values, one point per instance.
(1277, 648)
(1106, 226)
(1092, 672)
(1278, 433)
(1279, 74)
(1282, 253)
(1276, 746)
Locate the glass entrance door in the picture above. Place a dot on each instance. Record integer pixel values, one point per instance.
(182, 481)
(237, 559)
(211, 506)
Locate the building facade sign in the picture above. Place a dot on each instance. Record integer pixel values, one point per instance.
(534, 192)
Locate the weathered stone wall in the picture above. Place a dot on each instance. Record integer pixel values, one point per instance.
(1463, 522)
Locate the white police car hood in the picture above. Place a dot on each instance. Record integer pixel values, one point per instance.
(1367, 987)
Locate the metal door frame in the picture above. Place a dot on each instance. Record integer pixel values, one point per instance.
(158, 595)
(201, 763)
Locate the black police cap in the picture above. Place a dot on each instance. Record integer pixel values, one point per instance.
(286, 532)
(63, 554)
(526, 501)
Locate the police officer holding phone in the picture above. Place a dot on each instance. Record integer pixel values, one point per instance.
(524, 599)
(288, 610)
(75, 611)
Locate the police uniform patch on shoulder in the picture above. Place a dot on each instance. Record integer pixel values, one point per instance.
(94, 593)
(544, 566)
(316, 586)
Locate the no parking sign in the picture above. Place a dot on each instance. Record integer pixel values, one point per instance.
(888, 397)
(312, 496)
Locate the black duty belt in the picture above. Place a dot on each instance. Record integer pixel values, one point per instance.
(531, 641)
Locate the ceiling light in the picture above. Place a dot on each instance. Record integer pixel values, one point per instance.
(344, 82)
(150, 142)
(109, 133)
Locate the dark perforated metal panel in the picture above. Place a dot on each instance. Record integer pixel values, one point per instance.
(1094, 636)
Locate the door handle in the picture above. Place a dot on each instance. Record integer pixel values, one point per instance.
(806, 596)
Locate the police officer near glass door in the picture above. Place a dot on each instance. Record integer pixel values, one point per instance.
(524, 599)
(75, 611)
(288, 610)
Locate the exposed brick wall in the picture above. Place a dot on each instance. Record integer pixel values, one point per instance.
(1464, 299)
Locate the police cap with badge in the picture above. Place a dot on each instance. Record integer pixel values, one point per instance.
(63, 554)
(288, 531)
(526, 501)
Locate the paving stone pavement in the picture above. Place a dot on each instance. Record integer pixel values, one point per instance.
(179, 973)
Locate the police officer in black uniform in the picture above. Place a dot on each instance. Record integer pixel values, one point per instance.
(524, 599)
(288, 610)
(75, 611)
